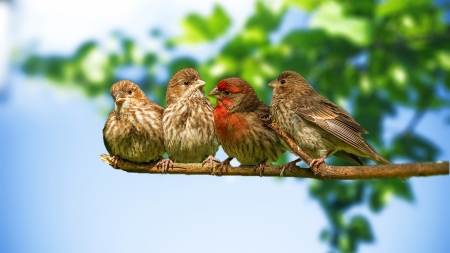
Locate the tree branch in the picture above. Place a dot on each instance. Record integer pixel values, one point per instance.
(324, 171)
(331, 172)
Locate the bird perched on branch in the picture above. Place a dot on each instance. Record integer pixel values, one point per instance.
(318, 126)
(188, 121)
(133, 130)
(241, 122)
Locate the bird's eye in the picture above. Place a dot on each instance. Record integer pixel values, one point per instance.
(186, 83)
(283, 81)
(130, 92)
(227, 93)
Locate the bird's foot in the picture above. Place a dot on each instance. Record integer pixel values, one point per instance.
(314, 165)
(211, 159)
(221, 166)
(288, 166)
(260, 166)
(164, 165)
(116, 159)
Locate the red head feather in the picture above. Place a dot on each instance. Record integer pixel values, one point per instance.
(234, 84)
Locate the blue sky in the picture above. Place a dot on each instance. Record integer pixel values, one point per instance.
(57, 196)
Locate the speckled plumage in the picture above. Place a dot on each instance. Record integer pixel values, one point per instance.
(320, 127)
(133, 130)
(188, 122)
(241, 122)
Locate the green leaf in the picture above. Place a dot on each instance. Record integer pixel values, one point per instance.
(85, 49)
(443, 58)
(267, 17)
(330, 18)
(306, 5)
(325, 235)
(392, 7)
(181, 63)
(384, 190)
(306, 40)
(345, 243)
(202, 29)
(283, 159)
(359, 229)
(414, 147)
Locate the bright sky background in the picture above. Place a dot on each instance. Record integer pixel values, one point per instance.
(57, 196)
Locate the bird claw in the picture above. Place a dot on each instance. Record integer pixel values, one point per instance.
(314, 165)
(116, 159)
(222, 165)
(260, 166)
(288, 166)
(211, 159)
(164, 165)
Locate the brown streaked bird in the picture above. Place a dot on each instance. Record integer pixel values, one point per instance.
(133, 130)
(320, 127)
(242, 125)
(188, 121)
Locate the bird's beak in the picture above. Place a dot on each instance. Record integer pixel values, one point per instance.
(214, 93)
(119, 98)
(273, 84)
(199, 84)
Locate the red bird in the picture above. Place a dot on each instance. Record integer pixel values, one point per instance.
(241, 122)
(318, 126)
(188, 123)
(133, 130)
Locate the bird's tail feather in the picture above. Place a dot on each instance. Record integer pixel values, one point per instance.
(380, 160)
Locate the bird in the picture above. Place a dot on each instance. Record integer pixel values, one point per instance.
(242, 125)
(188, 122)
(133, 130)
(317, 125)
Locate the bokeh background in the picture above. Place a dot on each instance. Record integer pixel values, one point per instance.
(387, 62)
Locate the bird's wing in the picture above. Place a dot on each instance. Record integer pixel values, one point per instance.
(333, 119)
(263, 113)
(351, 158)
(108, 147)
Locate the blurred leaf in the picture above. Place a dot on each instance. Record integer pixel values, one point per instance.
(181, 63)
(384, 190)
(202, 29)
(345, 243)
(246, 45)
(330, 17)
(130, 51)
(359, 227)
(150, 59)
(85, 49)
(443, 58)
(325, 235)
(337, 195)
(392, 7)
(306, 40)
(266, 18)
(307, 5)
(32, 65)
(414, 147)
(283, 159)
